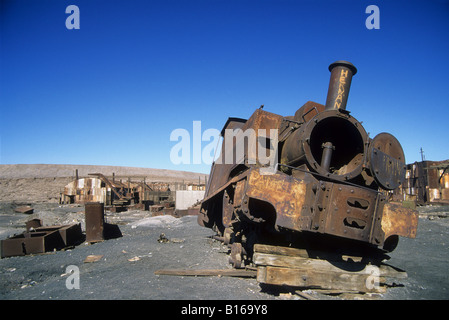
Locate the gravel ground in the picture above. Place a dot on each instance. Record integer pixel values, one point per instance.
(126, 269)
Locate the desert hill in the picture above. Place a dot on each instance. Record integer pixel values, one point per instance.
(43, 182)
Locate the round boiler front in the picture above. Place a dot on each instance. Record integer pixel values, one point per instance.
(331, 144)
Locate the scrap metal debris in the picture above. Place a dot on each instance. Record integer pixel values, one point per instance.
(136, 258)
(163, 238)
(93, 258)
(42, 239)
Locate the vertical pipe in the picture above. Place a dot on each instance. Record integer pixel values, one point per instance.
(327, 156)
(339, 84)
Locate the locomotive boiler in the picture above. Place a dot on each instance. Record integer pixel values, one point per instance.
(314, 179)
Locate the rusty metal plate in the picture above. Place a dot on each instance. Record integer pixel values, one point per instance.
(228, 209)
(96, 227)
(351, 212)
(286, 194)
(397, 220)
(94, 215)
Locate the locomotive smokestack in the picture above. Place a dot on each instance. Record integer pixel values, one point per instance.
(339, 84)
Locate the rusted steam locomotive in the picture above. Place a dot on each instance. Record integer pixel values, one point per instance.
(327, 185)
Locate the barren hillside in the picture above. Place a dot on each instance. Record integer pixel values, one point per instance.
(15, 171)
(43, 182)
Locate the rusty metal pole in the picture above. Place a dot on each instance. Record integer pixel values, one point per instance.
(339, 84)
(327, 155)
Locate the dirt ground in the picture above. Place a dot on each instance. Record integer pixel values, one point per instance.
(126, 268)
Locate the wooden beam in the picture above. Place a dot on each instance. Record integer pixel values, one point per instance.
(208, 272)
(25, 209)
(294, 267)
(305, 295)
(305, 253)
(284, 251)
(309, 278)
(328, 266)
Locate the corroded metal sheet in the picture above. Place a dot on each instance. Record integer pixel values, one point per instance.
(352, 212)
(397, 220)
(286, 194)
(94, 215)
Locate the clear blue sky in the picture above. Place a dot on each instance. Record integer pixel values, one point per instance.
(111, 92)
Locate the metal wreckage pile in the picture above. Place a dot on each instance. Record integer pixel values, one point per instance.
(40, 239)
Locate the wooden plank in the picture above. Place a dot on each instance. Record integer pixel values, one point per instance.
(334, 291)
(264, 259)
(284, 251)
(310, 278)
(305, 295)
(208, 272)
(25, 210)
(331, 272)
(305, 253)
(305, 263)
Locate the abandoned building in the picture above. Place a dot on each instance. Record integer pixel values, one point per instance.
(426, 182)
(116, 193)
